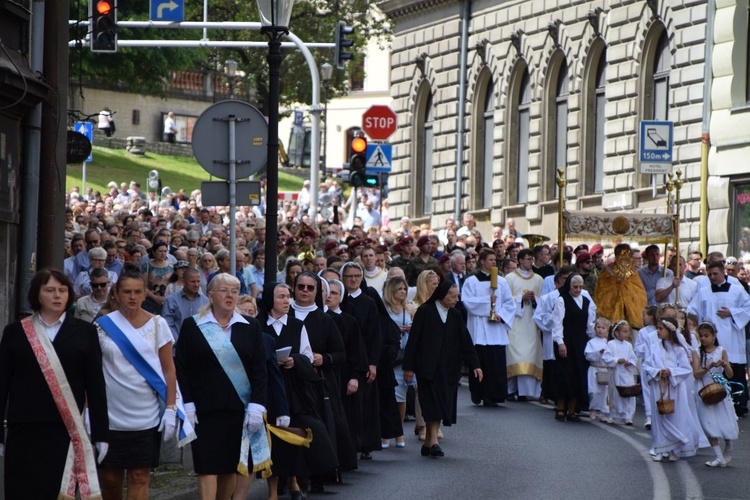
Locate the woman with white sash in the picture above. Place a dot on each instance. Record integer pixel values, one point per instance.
(140, 378)
(48, 454)
(221, 366)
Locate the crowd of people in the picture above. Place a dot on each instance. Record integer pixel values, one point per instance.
(366, 325)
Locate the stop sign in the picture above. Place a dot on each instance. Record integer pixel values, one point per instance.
(379, 122)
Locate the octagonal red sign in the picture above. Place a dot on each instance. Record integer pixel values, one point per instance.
(379, 122)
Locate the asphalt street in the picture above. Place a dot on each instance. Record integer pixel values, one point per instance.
(518, 451)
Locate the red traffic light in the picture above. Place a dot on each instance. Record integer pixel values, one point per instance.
(103, 7)
(359, 144)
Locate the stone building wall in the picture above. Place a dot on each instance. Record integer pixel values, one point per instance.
(502, 35)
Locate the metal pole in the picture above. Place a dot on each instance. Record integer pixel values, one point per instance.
(205, 19)
(561, 182)
(83, 178)
(325, 130)
(272, 179)
(232, 196)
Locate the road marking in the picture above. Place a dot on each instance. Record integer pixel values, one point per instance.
(658, 477)
(693, 488)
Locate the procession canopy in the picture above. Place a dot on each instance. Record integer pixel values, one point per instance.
(588, 225)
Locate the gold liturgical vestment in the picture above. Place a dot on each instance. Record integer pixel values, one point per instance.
(619, 292)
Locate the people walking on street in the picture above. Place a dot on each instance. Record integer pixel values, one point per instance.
(598, 374)
(620, 358)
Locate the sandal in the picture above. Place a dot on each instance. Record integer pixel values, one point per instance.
(574, 418)
(559, 415)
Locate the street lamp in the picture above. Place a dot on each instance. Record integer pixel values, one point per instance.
(326, 71)
(230, 70)
(274, 17)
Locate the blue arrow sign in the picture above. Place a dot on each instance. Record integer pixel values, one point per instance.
(656, 142)
(87, 129)
(379, 158)
(167, 10)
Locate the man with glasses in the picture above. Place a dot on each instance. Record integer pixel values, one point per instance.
(98, 258)
(585, 267)
(727, 306)
(542, 258)
(88, 306)
(694, 265)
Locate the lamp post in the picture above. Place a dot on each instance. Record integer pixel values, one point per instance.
(230, 69)
(274, 17)
(326, 71)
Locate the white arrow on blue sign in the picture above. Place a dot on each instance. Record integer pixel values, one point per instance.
(167, 10)
(87, 129)
(656, 141)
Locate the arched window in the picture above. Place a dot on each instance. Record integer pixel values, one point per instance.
(594, 137)
(422, 192)
(484, 142)
(557, 123)
(518, 146)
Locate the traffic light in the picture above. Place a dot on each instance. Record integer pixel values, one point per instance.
(358, 163)
(103, 15)
(343, 43)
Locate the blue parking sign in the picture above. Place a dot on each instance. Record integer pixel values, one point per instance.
(87, 129)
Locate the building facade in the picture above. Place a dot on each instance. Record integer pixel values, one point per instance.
(563, 84)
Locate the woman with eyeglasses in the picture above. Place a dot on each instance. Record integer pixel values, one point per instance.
(328, 357)
(290, 461)
(225, 400)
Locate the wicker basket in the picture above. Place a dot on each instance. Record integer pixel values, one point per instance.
(629, 391)
(665, 405)
(712, 393)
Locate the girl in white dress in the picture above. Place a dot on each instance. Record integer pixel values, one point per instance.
(668, 364)
(643, 340)
(598, 407)
(718, 420)
(620, 358)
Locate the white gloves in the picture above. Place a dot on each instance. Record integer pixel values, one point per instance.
(87, 421)
(254, 417)
(282, 421)
(168, 424)
(101, 450)
(190, 414)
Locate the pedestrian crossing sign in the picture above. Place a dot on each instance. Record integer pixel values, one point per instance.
(379, 158)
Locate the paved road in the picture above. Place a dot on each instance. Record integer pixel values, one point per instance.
(518, 451)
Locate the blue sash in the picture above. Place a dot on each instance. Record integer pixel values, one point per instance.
(255, 443)
(148, 372)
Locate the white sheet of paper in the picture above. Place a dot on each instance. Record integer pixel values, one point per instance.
(283, 353)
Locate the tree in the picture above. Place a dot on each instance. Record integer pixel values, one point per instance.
(146, 70)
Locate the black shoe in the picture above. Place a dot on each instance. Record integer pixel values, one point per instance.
(425, 451)
(436, 451)
(475, 398)
(559, 415)
(316, 487)
(489, 403)
(523, 398)
(512, 397)
(574, 418)
(297, 495)
(365, 455)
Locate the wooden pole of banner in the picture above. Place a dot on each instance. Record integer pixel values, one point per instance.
(561, 182)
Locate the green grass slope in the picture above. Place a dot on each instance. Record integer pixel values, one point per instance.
(177, 172)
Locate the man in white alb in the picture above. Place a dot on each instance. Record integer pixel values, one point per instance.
(374, 275)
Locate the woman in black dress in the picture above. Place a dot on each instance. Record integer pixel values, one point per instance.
(211, 398)
(573, 319)
(438, 341)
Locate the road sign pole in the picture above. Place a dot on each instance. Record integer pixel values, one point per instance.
(232, 196)
(83, 179)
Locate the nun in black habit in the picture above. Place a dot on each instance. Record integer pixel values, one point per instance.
(352, 371)
(438, 342)
(302, 384)
(328, 357)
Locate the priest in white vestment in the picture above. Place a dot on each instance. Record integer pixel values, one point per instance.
(490, 337)
(524, 352)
